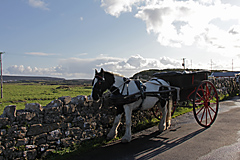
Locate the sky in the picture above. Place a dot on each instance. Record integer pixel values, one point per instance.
(72, 38)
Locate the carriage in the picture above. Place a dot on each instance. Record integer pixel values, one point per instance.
(165, 92)
(196, 92)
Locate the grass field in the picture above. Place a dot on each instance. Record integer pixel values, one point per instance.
(20, 94)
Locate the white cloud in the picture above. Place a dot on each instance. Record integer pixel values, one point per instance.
(84, 68)
(21, 70)
(184, 23)
(116, 7)
(39, 53)
(38, 4)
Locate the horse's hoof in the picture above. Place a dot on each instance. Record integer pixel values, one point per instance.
(111, 135)
(109, 138)
(161, 129)
(126, 139)
(160, 132)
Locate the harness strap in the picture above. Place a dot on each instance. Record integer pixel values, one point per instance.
(141, 88)
(157, 81)
(126, 82)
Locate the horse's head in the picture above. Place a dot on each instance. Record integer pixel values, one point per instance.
(101, 82)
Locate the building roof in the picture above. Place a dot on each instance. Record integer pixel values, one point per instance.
(224, 74)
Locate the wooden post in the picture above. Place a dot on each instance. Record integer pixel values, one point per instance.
(1, 75)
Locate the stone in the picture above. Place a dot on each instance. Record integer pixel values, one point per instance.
(9, 143)
(22, 142)
(79, 100)
(54, 104)
(33, 107)
(47, 153)
(54, 135)
(36, 129)
(87, 125)
(10, 112)
(20, 132)
(24, 116)
(29, 147)
(40, 139)
(2, 148)
(75, 131)
(30, 154)
(8, 152)
(4, 121)
(67, 142)
(43, 147)
(3, 132)
(65, 99)
(68, 109)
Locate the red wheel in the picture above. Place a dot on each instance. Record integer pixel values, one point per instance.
(205, 104)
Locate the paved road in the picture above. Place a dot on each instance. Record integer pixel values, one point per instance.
(185, 140)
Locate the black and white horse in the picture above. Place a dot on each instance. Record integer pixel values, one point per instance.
(119, 85)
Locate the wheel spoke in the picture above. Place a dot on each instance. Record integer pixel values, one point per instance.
(199, 110)
(202, 115)
(210, 114)
(212, 109)
(206, 115)
(207, 92)
(210, 95)
(200, 103)
(210, 98)
(200, 97)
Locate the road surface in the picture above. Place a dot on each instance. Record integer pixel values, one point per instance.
(185, 140)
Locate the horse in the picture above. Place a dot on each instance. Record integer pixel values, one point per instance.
(122, 87)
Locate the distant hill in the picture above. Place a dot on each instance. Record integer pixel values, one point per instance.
(45, 80)
(30, 78)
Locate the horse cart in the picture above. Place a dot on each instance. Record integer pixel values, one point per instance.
(177, 88)
(195, 91)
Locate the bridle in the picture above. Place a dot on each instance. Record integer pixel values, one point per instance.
(100, 78)
(100, 82)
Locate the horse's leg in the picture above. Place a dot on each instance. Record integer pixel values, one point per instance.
(113, 132)
(169, 114)
(128, 113)
(163, 107)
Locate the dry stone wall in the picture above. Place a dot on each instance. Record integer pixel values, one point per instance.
(36, 131)
(226, 86)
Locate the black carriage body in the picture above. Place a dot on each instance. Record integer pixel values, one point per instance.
(187, 82)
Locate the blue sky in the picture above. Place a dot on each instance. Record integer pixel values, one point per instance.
(70, 39)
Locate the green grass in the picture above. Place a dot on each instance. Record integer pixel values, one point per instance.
(20, 94)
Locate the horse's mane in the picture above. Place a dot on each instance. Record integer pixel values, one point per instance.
(116, 74)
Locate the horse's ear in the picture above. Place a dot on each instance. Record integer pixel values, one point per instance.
(96, 71)
(102, 70)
